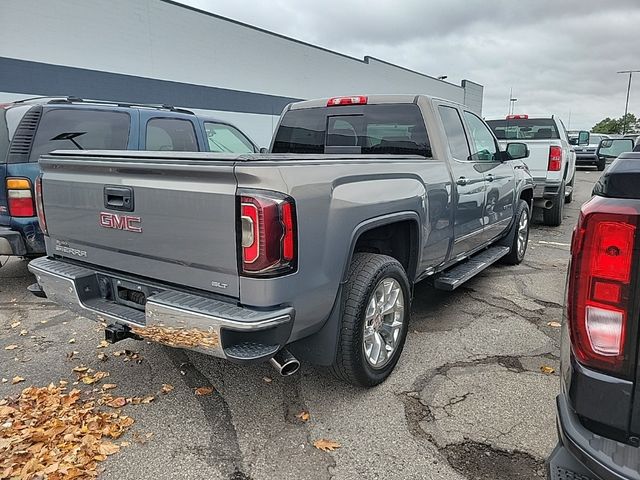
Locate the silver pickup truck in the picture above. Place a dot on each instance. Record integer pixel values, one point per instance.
(308, 252)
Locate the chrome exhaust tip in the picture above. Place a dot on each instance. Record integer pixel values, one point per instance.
(285, 363)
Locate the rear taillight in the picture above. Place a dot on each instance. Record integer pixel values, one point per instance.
(601, 284)
(357, 100)
(555, 158)
(20, 198)
(268, 233)
(40, 206)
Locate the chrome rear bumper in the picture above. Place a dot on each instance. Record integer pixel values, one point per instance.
(178, 319)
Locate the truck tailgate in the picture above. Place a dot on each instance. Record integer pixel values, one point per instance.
(538, 160)
(180, 225)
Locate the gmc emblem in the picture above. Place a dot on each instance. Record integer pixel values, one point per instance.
(120, 222)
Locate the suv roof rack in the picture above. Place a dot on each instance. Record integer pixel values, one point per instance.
(71, 99)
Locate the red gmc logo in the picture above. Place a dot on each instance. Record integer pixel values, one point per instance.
(120, 222)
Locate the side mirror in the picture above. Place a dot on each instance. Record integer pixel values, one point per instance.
(612, 147)
(517, 151)
(583, 137)
(264, 150)
(573, 141)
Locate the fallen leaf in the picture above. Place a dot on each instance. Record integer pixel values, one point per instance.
(166, 388)
(72, 340)
(70, 355)
(108, 448)
(103, 357)
(103, 344)
(17, 379)
(117, 402)
(15, 324)
(24, 332)
(80, 369)
(109, 386)
(118, 353)
(4, 380)
(148, 399)
(547, 370)
(554, 324)
(267, 380)
(304, 416)
(202, 391)
(91, 379)
(326, 445)
(11, 347)
(125, 444)
(43, 321)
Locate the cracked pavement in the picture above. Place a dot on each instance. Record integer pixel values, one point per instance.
(467, 401)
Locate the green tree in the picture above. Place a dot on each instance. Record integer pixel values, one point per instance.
(616, 125)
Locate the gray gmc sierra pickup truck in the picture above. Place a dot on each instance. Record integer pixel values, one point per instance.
(309, 252)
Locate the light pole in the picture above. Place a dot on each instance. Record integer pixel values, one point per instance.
(626, 105)
(512, 102)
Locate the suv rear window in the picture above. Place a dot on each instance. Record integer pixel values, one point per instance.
(9, 119)
(525, 129)
(71, 129)
(366, 129)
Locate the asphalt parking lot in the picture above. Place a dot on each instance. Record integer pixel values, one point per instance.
(469, 398)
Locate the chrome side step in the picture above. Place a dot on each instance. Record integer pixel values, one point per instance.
(452, 279)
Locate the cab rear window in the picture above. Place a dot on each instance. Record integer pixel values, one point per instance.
(79, 129)
(362, 129)
(524, 129)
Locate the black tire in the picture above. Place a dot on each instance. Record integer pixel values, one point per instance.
(569, 198)
(365, 272)
(515, 256)
(602, 164)
(552, 217)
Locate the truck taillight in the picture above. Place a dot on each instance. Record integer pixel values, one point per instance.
(601, 282)
(555, 158)
(268, 233)
(20, 198)
(40, 206)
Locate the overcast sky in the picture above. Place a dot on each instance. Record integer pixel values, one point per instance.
(559, 56)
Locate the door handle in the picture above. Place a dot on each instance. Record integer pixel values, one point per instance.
(118, 198)
(462, 181)
(490, 178)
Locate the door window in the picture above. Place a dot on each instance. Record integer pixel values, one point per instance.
(171, 134)
(483, 143)
(227, 139)
(455, 133)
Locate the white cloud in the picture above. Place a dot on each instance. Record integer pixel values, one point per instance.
(560, 57)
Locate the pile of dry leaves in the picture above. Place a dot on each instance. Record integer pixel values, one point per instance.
(51, 433)
(178, 337)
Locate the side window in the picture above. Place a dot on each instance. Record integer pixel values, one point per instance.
(171, 134)
(225, 138)
(75, 128)
(455, 133)
(483, 144)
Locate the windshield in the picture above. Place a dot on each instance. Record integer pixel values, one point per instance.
(367, 129)
(525, 129)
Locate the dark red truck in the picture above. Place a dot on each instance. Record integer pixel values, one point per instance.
(599, 404)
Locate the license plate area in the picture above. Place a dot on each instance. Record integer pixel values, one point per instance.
(124, 292)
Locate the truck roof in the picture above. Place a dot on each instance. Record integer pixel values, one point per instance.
(371, 100)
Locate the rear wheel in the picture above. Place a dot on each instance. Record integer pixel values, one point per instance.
(520, 236)
(552, 217)
(375, 316)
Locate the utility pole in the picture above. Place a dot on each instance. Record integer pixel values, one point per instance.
(626, 105)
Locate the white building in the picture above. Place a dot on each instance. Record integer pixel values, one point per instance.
(160, 51)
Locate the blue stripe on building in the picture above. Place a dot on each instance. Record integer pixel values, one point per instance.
(26, 77)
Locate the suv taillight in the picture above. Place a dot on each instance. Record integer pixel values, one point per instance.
(601, 284)
(40, 206)
(267, 233)
(555, 158)
(20, 198)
